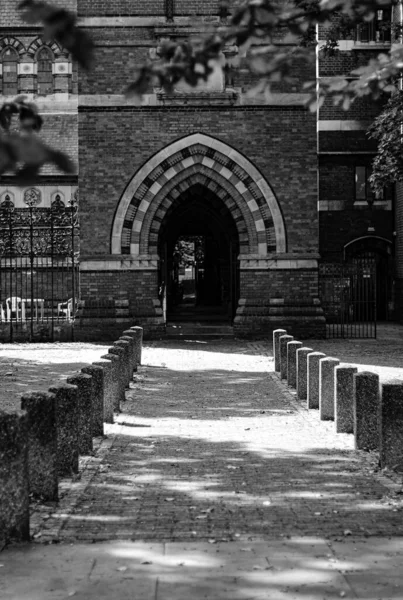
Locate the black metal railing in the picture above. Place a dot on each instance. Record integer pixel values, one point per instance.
(39, 270)
(348, 297)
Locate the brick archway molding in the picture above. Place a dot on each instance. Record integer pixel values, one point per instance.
(152, 190)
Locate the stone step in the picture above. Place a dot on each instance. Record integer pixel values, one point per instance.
(199, 330)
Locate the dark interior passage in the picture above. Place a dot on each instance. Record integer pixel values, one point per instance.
(198, 247)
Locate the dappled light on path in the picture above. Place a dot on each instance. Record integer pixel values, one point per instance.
(209, 446)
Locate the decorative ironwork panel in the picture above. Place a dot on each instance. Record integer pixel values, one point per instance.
(39, 266)
(348, 297)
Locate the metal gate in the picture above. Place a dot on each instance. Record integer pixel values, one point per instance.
(348, 297)
(39, 257)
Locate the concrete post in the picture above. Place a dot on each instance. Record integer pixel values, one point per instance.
(138, 344)
(84, 407)
(108, 391)
(97, 419)
(313, 379)
(302, 372)
(129, 336)
(121, 369)
(327, 367)
(391, 426)
(115, 380)
(126, 359)
(14, 490)
(344, 399)
(42, 444)
(292, 348)
(284, 339)
(277, 333)
(366, 411)
(67, 428)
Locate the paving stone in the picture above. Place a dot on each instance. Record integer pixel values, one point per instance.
(211, 446)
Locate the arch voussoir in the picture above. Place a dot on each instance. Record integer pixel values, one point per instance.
(221, 169)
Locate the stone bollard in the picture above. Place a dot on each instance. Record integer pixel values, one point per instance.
(391, 426)
(344, 399)
(138, 344)
(366, 411)
(115, 381)
(108, 389)
(126, 359)
(129, 336)
(312, 396)
(327, 367)
(302, 372)
(67, 428)
(277, 333)
(97, 416)
(42, 444)
(121, 365)
(284, 339)
(14, 488)
(84, 407)
(292, 348)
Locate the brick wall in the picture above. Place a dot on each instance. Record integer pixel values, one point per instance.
(87, 8)
(281, 143)
(11, 16)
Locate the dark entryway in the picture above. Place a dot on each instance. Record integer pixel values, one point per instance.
(199, 249)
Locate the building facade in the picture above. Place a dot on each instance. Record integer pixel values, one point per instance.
(262, 187)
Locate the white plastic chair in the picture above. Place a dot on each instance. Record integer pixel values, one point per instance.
(65, 308)
(15, 308)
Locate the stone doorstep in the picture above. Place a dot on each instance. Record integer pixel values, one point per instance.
(280, 569)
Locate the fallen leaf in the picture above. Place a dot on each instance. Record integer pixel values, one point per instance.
(347, 532)
(122, 569)
(211, 541)
(169, 499)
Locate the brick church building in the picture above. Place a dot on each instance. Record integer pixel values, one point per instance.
(266, 196)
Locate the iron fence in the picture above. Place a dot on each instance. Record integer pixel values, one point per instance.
(39, 269)
(348, 297)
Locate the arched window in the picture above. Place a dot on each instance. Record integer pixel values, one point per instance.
(45, 74)
(10, 72)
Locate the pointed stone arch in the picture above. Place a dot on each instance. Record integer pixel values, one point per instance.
(38, 44)
(12, 42)
(198, 158)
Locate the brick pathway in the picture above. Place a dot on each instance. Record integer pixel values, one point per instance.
(211, 447)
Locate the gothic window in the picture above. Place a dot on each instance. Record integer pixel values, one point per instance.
(10, 72)
(45, 74)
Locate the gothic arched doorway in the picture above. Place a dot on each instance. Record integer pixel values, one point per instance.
(198, 246)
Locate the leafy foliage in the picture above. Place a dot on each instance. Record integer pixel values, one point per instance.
(61, 25)
(254, 27)
(387, 129)
(22, 152)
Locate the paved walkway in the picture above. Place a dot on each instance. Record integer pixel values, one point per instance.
(215, 483)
